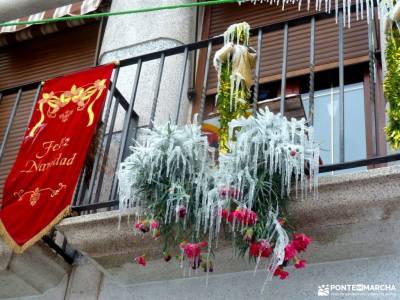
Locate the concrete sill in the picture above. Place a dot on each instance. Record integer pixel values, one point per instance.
(355, 216)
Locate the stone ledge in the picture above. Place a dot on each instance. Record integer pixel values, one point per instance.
(35, 271)
(356, 215)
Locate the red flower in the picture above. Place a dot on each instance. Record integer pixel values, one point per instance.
(245, 216)
(301, 263)
(290, 251)
(281, 273)
(192, 250)
(224, 213)
(301, 241)
(261, 247)
(181, 212)
(203, 244)
(227, 215)
(140, 260)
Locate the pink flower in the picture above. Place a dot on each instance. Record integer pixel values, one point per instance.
(261, 248)
(138, 225)
(181, 212)
(192, 250)
(290, 252)
(140, 260)
(281, 273)
(301, 241)
(154, 224)
(142, 226)
(301, 263)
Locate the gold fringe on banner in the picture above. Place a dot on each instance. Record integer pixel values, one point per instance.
(20, 249)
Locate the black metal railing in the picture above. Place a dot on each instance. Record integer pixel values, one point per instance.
(91, 196)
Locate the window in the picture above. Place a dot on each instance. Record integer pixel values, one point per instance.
(326, 123)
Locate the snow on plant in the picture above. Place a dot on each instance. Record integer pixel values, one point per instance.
(269, 156)
(166, 180)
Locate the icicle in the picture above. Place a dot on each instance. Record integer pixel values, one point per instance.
(362, 9)
(336, 10)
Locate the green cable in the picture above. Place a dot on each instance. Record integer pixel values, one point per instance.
(134, 11)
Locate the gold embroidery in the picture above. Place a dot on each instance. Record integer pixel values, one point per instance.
(65, 116)
(80, 96)
(35, 194)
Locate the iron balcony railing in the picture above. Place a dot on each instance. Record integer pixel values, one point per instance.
(91, 196)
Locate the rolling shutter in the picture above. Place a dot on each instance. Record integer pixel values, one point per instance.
(326, 55)
(38, 59)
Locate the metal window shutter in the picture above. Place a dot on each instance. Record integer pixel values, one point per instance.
(34, 60)
(356, 39)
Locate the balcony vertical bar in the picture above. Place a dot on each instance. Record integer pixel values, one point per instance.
(107, 149)
(284, 68)
(35, 99)
(312, 73)
(341, 87)
(205, 84)
(10, 122)
(157, 90)
(372, 95)
(100, 146)
(81, 190)
(257, 74)
(127, 121)
(185, 57)
(77, 189)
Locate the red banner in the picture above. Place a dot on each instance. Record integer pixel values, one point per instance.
(40, 186)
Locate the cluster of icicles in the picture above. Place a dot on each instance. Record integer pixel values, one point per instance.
(240, 59)
(175, 165)
(363, 7)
